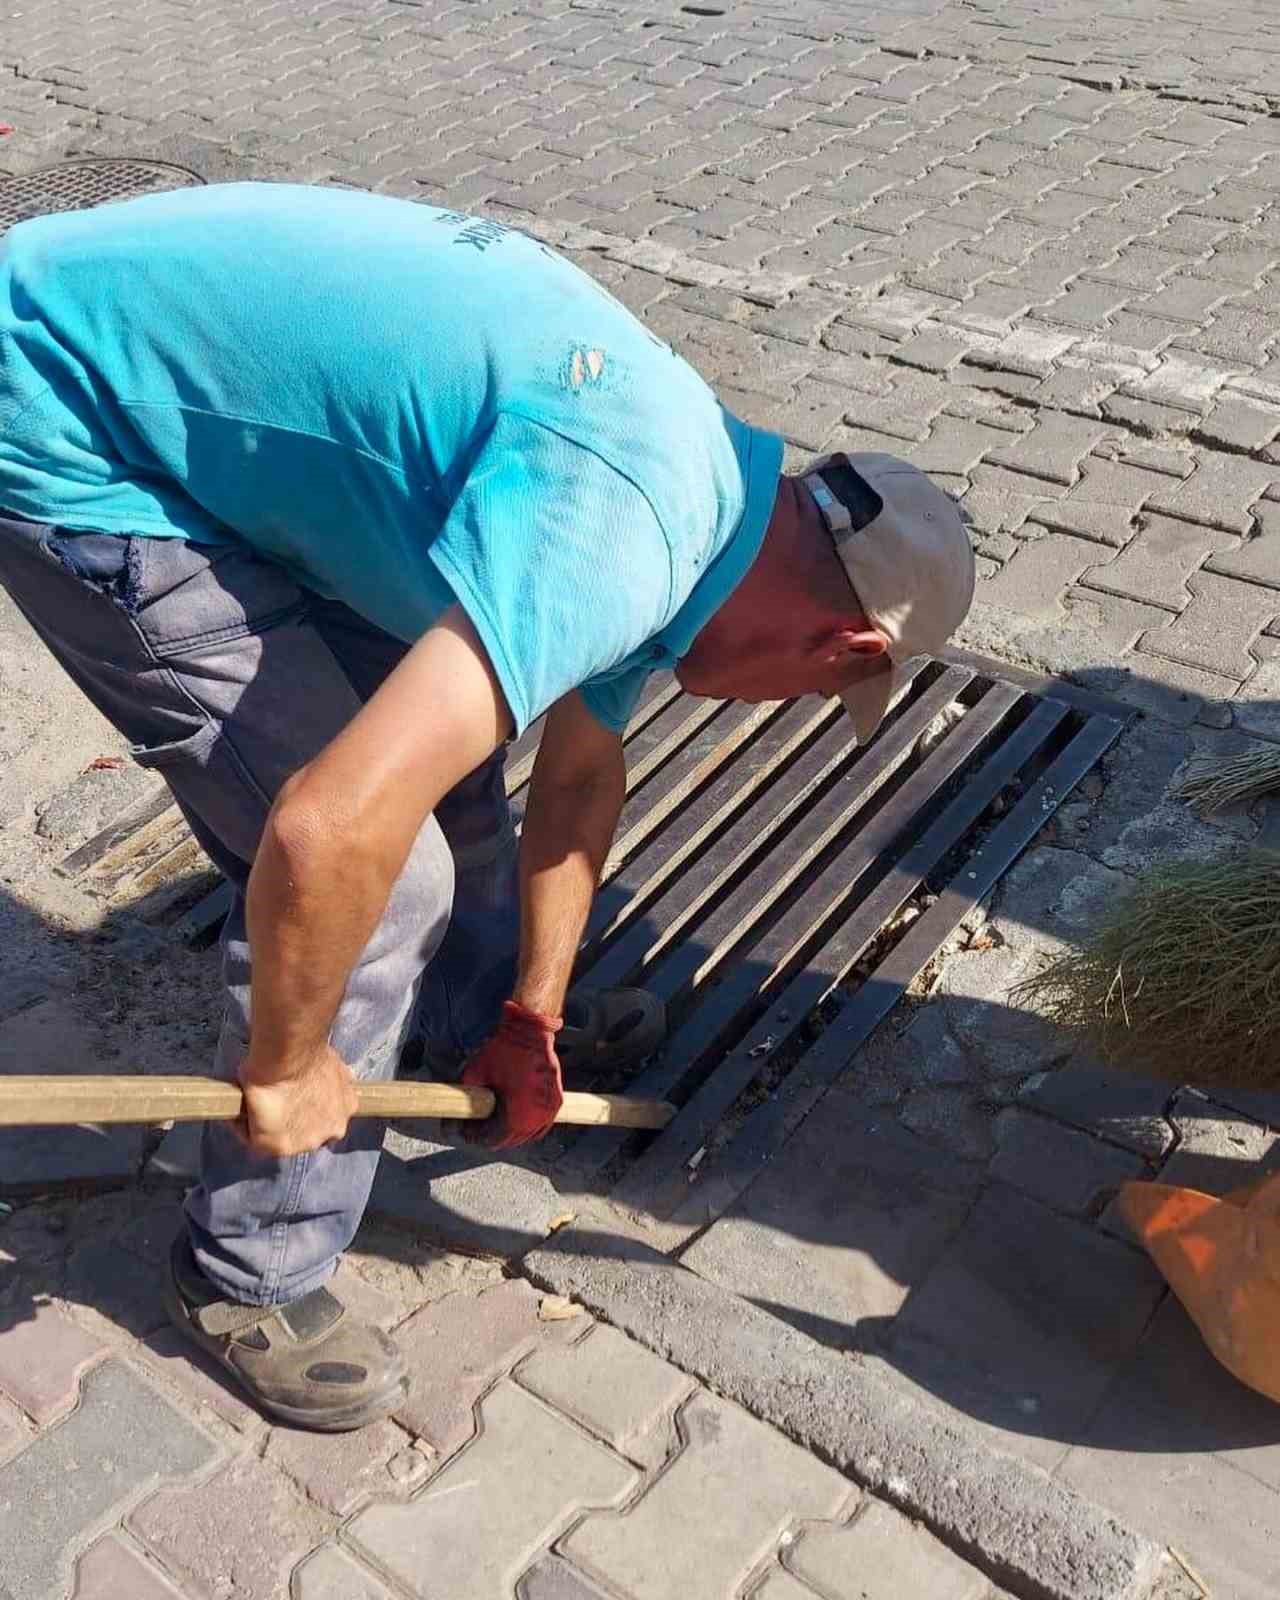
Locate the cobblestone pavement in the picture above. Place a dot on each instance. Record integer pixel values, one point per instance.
(1035, 247)
(540, 1455)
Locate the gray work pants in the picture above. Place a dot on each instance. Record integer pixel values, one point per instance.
(226, 677)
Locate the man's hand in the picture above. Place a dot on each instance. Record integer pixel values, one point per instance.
(295, 1114)
(519, 1064)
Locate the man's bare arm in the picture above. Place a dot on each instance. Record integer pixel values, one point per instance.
(336, 840)
(575, 797)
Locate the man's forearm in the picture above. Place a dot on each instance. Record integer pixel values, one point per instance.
(566, 838)
(310, 910)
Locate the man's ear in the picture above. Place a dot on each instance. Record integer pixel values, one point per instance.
(865, 643)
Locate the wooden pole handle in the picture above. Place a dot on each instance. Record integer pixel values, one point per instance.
(56, 1101)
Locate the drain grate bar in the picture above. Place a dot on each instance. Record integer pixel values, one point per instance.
(788, 1015)
(802, 826)
(744, 822)
(768, 1125)
(827, 967)
(765, 949)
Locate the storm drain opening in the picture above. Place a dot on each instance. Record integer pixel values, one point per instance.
(781, 889)
(78, 185)
(777, 886)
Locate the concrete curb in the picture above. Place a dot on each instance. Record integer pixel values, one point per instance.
(1026, 1531)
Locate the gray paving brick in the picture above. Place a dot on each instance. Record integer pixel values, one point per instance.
(881, 1556)
(331, 1573)
(1086, 304)
(339, 1470)
(1215, 631)
(1122, 1465)
(1239, 424)
(1064, 1168)
(807, 416)
(1122, 1110)
(456, 1348)
(955, 446)
(253, 1530)
(552, 1579)
(865, 1209)
(1216, 1151)
(613, 1386)
(720, 1507)
(1053, 449)
(112, 1570)
(1034, 580)
(122, 1440)
(1219, 493)
(1025, 1322)
(1156, 565)
(465, 1544)
(1147, 418)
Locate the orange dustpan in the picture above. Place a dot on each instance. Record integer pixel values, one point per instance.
(1222, 1260)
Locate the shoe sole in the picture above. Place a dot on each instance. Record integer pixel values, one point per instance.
(345, 1419)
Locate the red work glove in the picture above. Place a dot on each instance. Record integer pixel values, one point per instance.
(518, 1062)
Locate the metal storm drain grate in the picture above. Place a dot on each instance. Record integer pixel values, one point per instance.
(77, 185)
(781, 889)
(778, 887)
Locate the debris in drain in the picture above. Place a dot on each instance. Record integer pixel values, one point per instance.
(939, 728)
(763, 1048)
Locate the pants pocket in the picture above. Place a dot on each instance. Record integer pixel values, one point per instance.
(225, 806)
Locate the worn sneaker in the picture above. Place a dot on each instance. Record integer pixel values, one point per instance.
(309, 1363)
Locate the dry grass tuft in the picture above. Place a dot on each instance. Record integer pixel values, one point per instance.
(1212, 785)
(1182, 980)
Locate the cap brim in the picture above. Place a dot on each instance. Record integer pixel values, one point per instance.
(867, 701)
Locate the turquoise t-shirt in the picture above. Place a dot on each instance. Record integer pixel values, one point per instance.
(404, 406)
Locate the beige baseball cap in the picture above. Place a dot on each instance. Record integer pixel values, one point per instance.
(904, 545)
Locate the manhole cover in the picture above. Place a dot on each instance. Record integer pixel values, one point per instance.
(76, 185)
(777, 886)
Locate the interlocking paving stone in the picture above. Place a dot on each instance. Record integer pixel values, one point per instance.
(1054, 448)
(253, 1529)
(880, 1556)
(43, 1359)
(1123, 1110)
(1257, 709)
(199, 1378)
(552, 1579)
(717, 1511)
(122, 1440)
(1033, 581)
(15, 1430)
(610, 1384)
(456, 1199)
(331, 1573)
(1215, 631)
(1122, 1466)
(1257, 560)
(1024, 1322)
(338, 1470)
(841, 1224)
(1156, 566)
(113, 1570)
(780, 1585)
(1216, 1151)
(455, 1349)
(1219, 493)
(1063, 1167)
(467, 1534)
